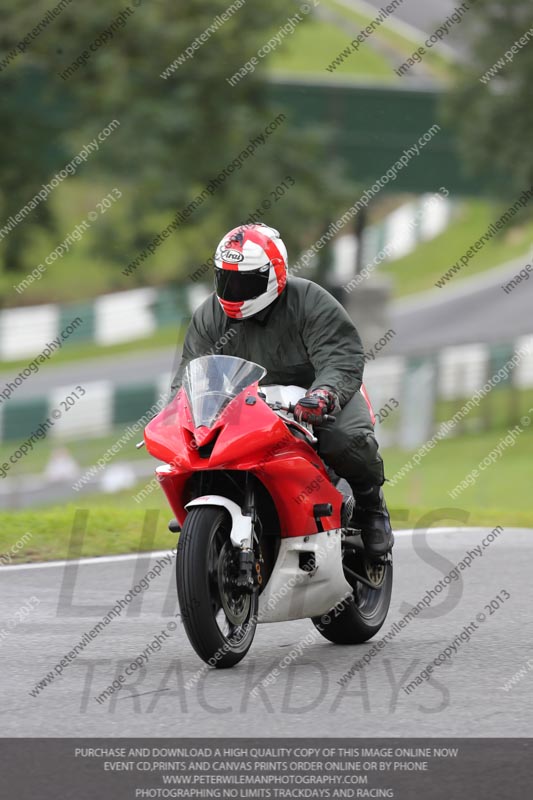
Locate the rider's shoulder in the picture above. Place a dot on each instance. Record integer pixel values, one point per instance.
(207, 305)
(306, 290)
(207, 311)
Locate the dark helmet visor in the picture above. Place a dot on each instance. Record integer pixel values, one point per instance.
(236, 287)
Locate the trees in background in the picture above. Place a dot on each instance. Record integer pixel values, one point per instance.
(175, 136)
(491, 105)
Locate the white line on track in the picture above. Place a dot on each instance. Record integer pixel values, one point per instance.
(161, 553)
(87, 561)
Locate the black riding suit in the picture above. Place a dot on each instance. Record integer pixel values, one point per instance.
(304, 338)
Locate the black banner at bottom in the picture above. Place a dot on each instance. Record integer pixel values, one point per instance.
(127, 769)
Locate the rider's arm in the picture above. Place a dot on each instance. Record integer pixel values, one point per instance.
(333, 344)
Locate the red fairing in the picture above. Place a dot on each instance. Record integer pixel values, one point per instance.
(249, 437)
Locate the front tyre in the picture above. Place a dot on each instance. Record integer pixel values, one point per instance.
(219, 619)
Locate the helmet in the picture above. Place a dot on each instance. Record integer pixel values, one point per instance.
(250, 269)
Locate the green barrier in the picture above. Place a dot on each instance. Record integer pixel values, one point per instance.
(171, 306)
(132, 402)
(499, 356)
(82, 331)
(21, 418)
(370, 127)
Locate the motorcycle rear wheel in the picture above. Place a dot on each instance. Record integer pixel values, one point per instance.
(360, 617)
(220, 621)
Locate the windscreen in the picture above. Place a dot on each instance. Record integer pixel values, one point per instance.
(211, 383)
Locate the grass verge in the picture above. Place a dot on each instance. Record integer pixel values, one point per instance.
(55, 533)
(501, 495)
(419, 270)
(112, 531)
(115, 524)
(314, 45)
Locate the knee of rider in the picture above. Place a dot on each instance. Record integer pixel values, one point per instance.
(361, 446)
(363, 451)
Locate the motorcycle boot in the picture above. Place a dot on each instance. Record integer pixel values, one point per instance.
(371, 517)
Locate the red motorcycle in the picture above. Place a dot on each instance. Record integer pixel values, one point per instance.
(263, 523)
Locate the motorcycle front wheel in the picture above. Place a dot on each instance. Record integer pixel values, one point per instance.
(219, 619)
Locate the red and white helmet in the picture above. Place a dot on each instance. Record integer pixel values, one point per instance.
(250, 269)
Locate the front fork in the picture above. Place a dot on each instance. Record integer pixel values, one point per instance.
(249, 577)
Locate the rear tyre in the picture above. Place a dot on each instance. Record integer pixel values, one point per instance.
(357, 619)
(219, 620)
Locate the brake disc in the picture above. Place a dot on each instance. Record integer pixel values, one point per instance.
(236, 605)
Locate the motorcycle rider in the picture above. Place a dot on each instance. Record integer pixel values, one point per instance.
(302, 336)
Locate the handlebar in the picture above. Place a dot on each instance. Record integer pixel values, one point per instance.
(325, 418)
(290, 410)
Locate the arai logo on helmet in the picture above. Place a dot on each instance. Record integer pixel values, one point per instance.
(232, 256)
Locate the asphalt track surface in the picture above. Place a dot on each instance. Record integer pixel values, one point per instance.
(467, 311)
(464, 698)
(423, 16)
(122, 370)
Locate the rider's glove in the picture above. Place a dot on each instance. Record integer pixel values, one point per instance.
(314, 406)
